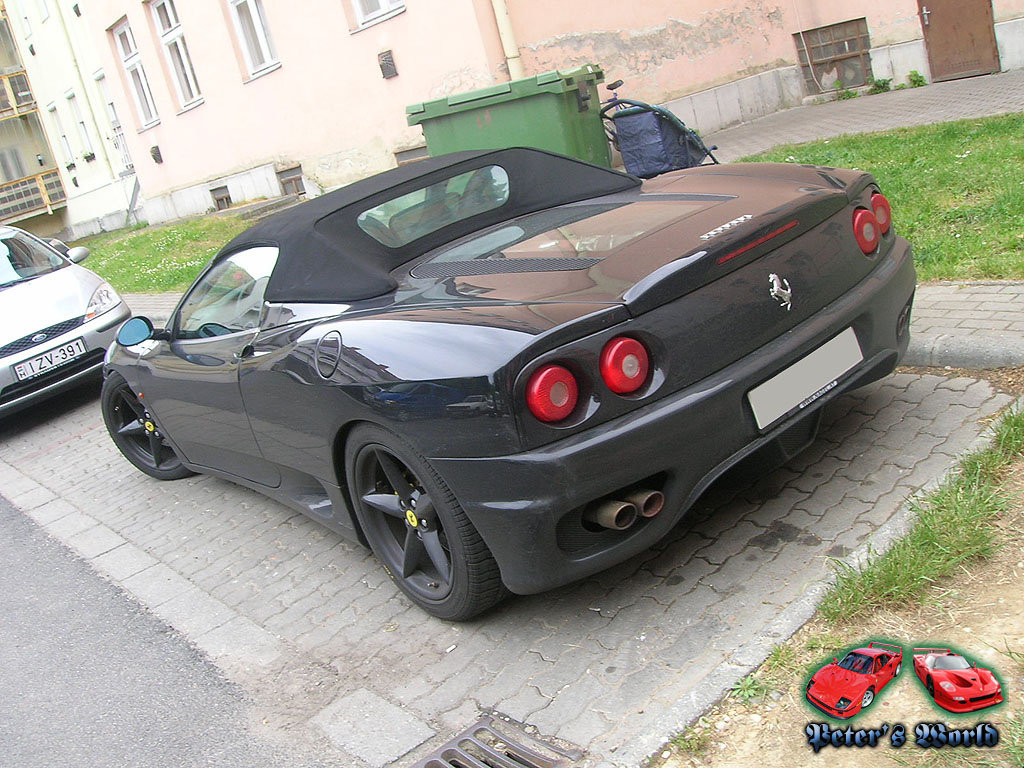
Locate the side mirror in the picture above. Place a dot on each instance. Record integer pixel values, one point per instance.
(835, 660)
(78, 254)
(134, 331)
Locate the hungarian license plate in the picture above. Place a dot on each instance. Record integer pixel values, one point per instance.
(51, 358)
(806, 380)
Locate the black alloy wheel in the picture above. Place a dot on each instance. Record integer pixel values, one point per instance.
(136, 433)
(417, 529)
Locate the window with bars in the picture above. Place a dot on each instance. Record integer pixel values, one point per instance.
(83, 131)
(835, 56)
(138, 84)
(368, 11)
(169, 27)
(58, 125)
(117, 132)
(251, 26)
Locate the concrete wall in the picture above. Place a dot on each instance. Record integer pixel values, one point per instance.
(1010, 39)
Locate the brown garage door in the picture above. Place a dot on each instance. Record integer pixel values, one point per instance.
(960, 37)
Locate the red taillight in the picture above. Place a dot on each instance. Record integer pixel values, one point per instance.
(866, 229)
(883, 211)
(552, 393)
(624, 365)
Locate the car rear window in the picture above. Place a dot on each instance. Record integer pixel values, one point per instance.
(583, 232)
(411, 216)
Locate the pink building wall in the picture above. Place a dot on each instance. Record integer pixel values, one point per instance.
(328, 107)
(676, 47)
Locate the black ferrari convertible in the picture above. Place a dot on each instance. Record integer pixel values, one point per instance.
(507, 370)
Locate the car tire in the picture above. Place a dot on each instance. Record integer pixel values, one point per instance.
(930, 685)
(416, 528)
(899, 668)
(867, 698)
(136, 433)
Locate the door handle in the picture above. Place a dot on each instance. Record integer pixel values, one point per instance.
(925, 13)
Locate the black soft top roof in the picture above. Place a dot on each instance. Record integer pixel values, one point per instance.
(325, 256)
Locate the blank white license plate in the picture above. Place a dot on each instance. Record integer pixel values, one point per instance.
(805, 380)
(51, 358)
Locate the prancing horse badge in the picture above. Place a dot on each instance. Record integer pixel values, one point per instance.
(781, 291)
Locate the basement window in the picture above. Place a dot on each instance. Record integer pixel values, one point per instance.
(221, 198)
(836, 56)
(291, 181)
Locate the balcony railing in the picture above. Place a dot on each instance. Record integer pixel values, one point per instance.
(16, 97)
(33, 193)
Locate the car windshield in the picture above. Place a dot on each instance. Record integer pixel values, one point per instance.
(951, 662)
(23, 258)
(856, 662)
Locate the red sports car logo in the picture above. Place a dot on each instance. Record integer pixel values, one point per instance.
(843, 688)
(956, 684)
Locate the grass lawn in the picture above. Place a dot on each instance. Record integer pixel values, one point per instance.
(161, 258)
(957, 193)
(957, 190)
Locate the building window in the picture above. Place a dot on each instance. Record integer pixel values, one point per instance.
(117, 132)
(368, 11)
(22, 93)
(291, 181)
(65, 145)
(12, 166)
(836, 56)
(83, 132)
(171, 36)
(251, 24)
(139, 85)
(44, 10)
(221, 198)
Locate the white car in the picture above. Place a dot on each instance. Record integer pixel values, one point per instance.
(56, 319)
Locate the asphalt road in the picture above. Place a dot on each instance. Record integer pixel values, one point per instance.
(90, 678)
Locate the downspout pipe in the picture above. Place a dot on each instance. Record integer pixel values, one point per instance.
(508, 39)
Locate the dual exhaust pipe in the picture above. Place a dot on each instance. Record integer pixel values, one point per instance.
(620, 514)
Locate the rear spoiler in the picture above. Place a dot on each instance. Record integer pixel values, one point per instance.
(934, 650)
(895, 648)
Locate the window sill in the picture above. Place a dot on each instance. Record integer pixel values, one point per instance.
(148, 126)
(263, 72)
(377, 20)
(190, 106)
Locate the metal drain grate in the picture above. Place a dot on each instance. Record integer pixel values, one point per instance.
(493, 743)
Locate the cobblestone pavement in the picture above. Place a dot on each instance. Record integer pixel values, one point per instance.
(312, 625)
